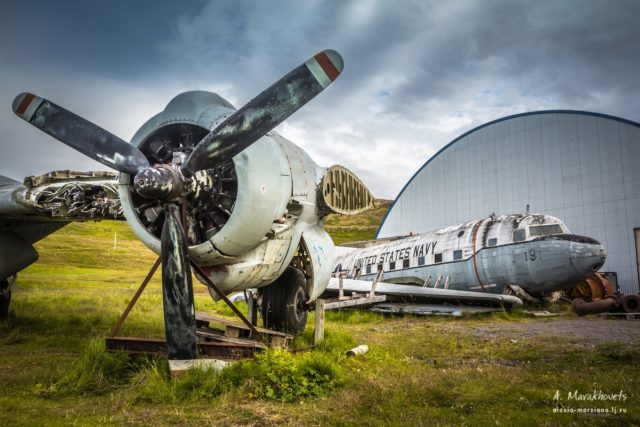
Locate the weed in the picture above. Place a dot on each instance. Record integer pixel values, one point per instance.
(279, 375)
(354, 316)
(96, 372)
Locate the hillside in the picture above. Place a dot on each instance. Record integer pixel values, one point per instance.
(363, 226)
(109, 244)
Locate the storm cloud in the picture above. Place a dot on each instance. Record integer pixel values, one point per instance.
(417, 74)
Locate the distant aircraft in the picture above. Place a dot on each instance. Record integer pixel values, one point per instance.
(201, 183)
(534, 252)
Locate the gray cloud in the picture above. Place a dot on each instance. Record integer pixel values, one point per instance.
(417, 74)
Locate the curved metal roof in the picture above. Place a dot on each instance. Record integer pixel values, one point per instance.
(514, 116)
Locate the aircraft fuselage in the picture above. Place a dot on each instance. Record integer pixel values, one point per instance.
(535, 252)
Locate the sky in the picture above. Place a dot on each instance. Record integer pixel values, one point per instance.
(417, 73)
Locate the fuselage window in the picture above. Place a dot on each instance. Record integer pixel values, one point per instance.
(368, 269)
(519, 235)
(420, 260)
(392, 265)
(493, 242)
(438, 258)
(457, 254)
(541, 230)
(405, 263)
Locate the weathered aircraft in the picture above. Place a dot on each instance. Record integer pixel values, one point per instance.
(201, 183)
(528, 253)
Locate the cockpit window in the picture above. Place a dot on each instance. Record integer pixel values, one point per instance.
(541, 230)
(519, 235)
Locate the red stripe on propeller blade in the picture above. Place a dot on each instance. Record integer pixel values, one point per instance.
(25, 103)
(327, 66)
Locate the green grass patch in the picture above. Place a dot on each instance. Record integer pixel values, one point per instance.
(480, 370)
(96, 372)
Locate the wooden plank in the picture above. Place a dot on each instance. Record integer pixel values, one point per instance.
(226, 322)
(220, 338)
(225, 350)
(318, 331)
(355, 302)
(232, 332)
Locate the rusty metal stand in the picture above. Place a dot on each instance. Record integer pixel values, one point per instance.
(231, 305)
(232, 343)
(116, 328)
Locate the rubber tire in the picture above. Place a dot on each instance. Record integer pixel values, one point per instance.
(284, 303)
(5, 300)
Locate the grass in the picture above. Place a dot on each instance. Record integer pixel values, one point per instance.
(345, 229)
(418, 371)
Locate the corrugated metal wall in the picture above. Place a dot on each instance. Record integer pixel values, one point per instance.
(580, 167)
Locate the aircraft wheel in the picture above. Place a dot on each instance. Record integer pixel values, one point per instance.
(284, 302)
(5, 299)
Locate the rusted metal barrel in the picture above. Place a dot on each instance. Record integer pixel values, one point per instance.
(582, 308)
(592, 289)
(630, 303)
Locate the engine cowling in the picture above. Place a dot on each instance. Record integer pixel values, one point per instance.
(233, 207)
(248, 218)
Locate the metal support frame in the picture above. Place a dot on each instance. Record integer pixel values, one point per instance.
(231, 305)
(438, 280)
(374, 285)
(116, 328)
(427, 282)
(210, 349)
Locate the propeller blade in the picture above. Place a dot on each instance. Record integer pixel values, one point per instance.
(177, 289)
(265, 111)
(78, 133)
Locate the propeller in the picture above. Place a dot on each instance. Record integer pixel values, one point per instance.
(265, 111)
(167, 183)
(78, 133)
(177, 288)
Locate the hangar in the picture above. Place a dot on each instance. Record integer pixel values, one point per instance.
(581, 167)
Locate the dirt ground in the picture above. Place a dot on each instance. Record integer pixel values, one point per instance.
(593, 329)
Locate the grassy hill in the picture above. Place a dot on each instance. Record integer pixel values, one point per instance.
(419, 371)
(363, 226)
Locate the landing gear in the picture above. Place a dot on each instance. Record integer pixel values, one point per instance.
(5, 299)
(284, 302)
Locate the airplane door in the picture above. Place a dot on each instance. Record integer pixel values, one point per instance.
(637, 231)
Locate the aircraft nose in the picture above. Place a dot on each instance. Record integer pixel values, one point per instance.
(587, 258)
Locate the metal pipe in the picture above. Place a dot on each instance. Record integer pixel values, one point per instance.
(631, 303)
(582, 308)
(357, 351)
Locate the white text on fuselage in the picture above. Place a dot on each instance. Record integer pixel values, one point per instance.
(397, 254)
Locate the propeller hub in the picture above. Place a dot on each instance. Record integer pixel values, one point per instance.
(161, 182)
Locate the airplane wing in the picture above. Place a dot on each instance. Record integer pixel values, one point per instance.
(44, 204)
(431, 309)
(419, 293)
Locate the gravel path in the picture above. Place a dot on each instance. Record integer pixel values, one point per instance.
(590, 329)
